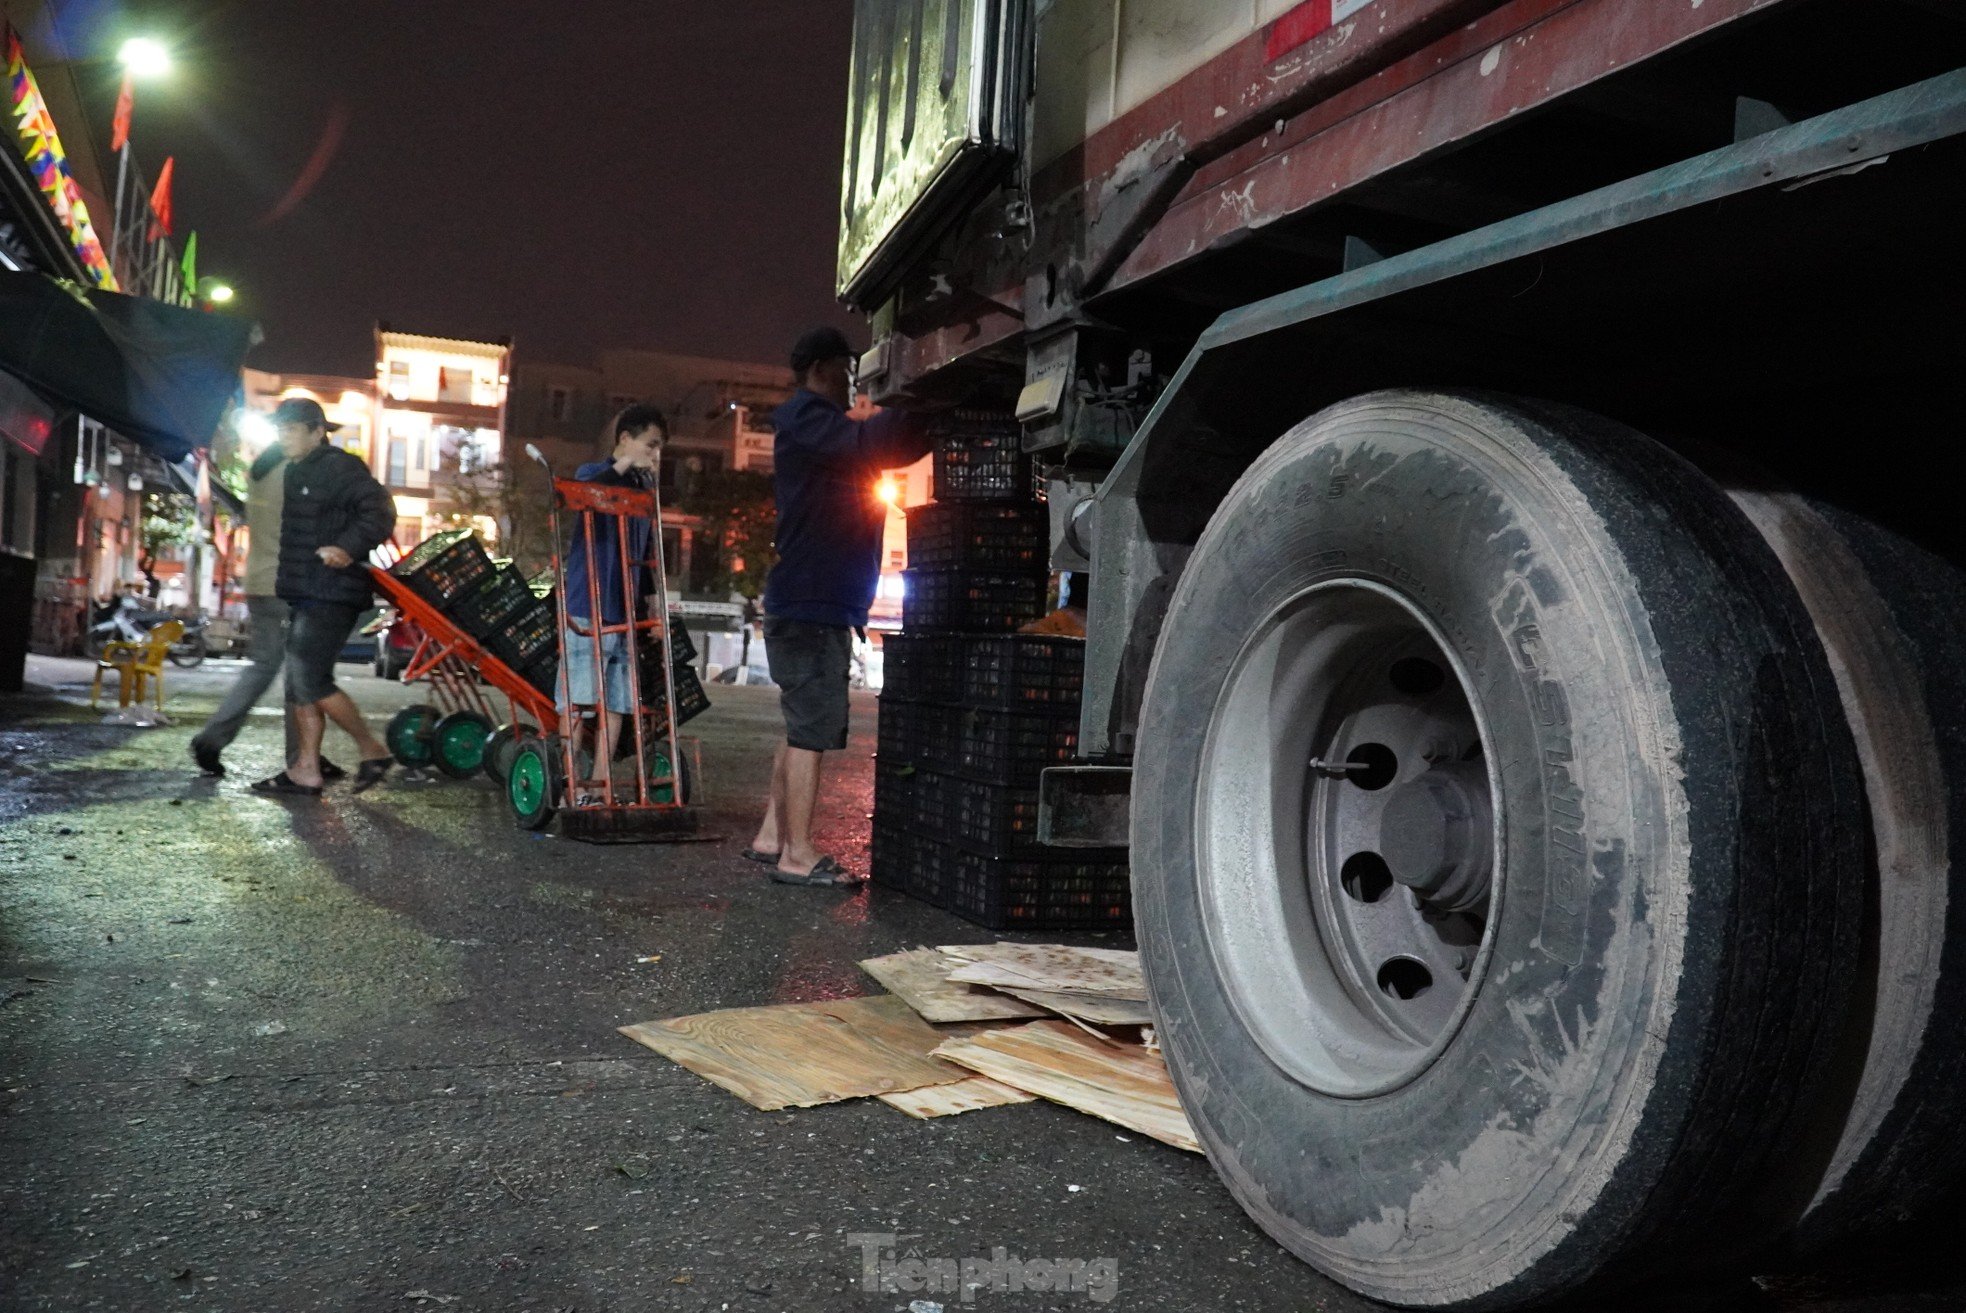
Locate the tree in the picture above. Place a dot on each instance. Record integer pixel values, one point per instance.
(513, 495)
(738, 519)
(170, 521)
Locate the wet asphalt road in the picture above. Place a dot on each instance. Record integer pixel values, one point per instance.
(361, 1054)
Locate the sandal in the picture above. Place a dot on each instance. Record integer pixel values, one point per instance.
(284, 784)
(331, 772)
(369, 773)
(760, 856)
(825, 873)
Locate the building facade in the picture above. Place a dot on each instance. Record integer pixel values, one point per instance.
(439, 432)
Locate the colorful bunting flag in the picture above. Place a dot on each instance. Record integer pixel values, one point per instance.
(41, 147)
(190, 265)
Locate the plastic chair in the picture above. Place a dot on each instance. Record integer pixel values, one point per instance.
(139, 666)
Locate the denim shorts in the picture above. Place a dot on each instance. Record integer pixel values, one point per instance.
(579, 668)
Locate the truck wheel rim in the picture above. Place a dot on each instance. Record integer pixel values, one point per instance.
(1350, 850)
(528, 782)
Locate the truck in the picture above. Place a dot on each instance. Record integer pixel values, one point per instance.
(1527, 643)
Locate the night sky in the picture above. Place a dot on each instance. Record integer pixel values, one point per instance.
(576, 174)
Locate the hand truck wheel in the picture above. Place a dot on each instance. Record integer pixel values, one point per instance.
(411, 734)
(459, 743)
(533, 785)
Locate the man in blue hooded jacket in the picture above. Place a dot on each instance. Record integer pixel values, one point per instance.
(825, 467)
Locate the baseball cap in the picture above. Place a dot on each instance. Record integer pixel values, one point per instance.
(820, 344)
(301, 410)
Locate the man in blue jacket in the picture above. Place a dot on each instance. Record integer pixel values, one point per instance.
(825, 468)
(636, 438)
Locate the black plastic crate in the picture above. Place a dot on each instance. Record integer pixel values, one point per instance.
(544, 674)
(524, 637)
(446, 567)
(978, 535)
(1001, 820)
(922, 735)
(1007, 747)
(921, 668)
(911, 863)
(684, 647)
(1029, 671)
(891, 853)
(691, 700)
(483, 612)
(1010, 894)
(979, 456)
(976, 600)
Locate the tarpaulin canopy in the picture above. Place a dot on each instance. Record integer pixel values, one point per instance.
(158, 374)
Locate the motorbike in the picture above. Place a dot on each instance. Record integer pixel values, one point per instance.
(127, 620)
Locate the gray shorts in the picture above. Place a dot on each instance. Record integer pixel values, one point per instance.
(315, 637)
(809, 664)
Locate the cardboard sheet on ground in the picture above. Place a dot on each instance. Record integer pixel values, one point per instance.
(963, 1096)
(921, 978)
(1055, 968)
(1123, 1083)
(798, 1055)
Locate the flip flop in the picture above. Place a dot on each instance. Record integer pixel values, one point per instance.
(331, 772)
(283, 784)
(825, 873)
(760, 856)
(369, 773)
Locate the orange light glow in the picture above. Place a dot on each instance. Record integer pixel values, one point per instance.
(888, 491)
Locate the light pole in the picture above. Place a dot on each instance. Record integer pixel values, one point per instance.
(143, 59)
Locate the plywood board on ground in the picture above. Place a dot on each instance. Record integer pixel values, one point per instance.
(1123, 1083)
(796, 1055)
(1105, 972)
(1088, 1007)
(963, 1096)
(921, 978)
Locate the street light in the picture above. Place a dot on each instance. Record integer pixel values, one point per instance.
(144, 58)
(219, 293)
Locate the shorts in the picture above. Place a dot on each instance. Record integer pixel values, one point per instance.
(579, 667)
(809, 664)
(315, 636)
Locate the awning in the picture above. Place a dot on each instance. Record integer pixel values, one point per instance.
(158, 374)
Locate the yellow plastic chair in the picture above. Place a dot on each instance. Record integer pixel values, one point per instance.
(139, 667)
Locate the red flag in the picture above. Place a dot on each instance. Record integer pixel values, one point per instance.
(126, 102)
(160, 200)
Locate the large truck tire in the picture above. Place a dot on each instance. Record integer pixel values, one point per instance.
(1892, 619)
(1497, 855)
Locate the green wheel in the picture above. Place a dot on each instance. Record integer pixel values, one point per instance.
(501, 747)
(529, 787)
(657, 764)
(459, 743)
(412, 734)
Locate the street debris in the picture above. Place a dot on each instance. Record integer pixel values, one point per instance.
(425, 1297)
(798, 1055)
(1123, 1083)
(948, 1039)
(268, 1028)
(920, 977)
(948, 1100)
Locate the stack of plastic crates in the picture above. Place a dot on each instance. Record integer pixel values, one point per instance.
(971, 712)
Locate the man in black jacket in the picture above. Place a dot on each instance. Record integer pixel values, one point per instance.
(334, 515)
